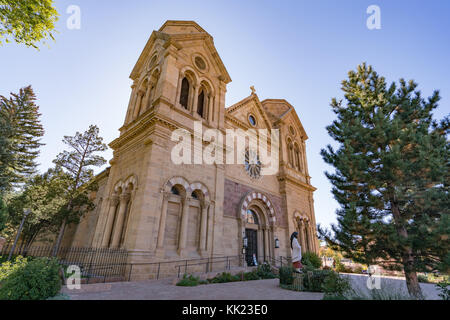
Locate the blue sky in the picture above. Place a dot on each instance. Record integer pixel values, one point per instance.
(296, 50)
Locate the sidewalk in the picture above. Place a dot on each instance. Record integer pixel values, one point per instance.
(166, 290)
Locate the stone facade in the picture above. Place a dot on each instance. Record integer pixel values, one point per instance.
(159, 210)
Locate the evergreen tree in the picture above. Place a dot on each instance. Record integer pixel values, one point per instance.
(78, 162)
(21, 131)
(3, 214)
(391, 178)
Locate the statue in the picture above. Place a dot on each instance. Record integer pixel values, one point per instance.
(296, 253)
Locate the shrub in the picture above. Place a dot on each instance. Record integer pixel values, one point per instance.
(358, 270)
(264, 271)
(444, 290)
(37, 279)
(311, 259)
(313, 280)
(251, 275)
(224, 277)
(188, 281)
(336, 287)
(286, 275)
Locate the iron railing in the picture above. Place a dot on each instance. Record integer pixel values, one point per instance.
(96, 264)
(109, 264)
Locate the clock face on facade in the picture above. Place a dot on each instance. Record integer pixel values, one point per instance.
(252, 164)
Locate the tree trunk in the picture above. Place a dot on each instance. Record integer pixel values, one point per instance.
(59, 239)
(412, 282)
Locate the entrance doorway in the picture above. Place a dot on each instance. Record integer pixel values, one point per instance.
(251, 253)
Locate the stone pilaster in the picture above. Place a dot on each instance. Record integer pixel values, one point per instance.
(120, 220)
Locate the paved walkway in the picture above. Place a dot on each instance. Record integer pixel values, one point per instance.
(166, 290)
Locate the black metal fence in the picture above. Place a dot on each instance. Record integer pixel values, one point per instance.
(110, 265)
(96, 264)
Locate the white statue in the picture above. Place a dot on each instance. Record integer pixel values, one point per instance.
(296, 252)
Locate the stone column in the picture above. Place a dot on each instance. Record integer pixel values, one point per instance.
(113, 202)
(184, 225)
(195, 100)
(131, 104)
(308, 237)
(120, 220)
(266, 243)
(162, 223)
(146, 99)
(177, 98)
(137, 106)
(203, 226)
(301, 229)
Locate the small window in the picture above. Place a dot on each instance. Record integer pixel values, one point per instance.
(252, 120)
(194, 195)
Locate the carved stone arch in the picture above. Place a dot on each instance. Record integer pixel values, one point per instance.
(118, 187)
(298, 216)
(201, 187)
(191, 74)
(251, 197)
(177, 181)
(208, 85)
(131, 180)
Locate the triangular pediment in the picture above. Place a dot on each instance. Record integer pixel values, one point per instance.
(176, 33)
(250, 106)
(282, 112)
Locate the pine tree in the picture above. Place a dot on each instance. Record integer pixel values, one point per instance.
(78, 163)
(3, 214)
(391, 178)
(21, 131)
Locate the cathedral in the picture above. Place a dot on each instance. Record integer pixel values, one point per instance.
(162, 211)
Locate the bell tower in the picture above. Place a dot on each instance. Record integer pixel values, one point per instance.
(179, 71)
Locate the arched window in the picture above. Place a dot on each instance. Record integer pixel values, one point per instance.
(184, 95)
(175, 191)
(201, 104)
(252, 217)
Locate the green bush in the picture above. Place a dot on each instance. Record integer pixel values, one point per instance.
(313, 280)
(251, 275)
(443, 287)
(36, 279)
(311, 259)
(224, 277)
(188, 281)
(264, 271)
(336, 287)
(286, 275)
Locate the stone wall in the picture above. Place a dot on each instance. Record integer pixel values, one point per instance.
(235, 192)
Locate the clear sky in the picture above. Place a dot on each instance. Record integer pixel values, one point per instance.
(296, 50)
